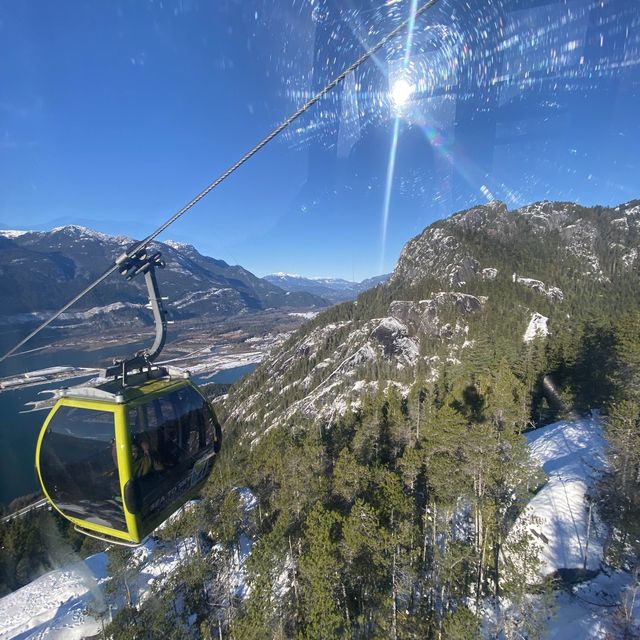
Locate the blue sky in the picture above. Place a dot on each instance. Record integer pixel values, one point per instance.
(114, 114)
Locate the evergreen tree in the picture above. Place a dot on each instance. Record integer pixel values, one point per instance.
(322, 615)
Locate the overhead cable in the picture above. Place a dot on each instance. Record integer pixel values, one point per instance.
(249, 154)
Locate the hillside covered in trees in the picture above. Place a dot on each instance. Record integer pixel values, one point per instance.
(384, 442)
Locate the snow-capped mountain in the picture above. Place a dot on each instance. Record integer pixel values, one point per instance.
(333, 289)
(40, 271)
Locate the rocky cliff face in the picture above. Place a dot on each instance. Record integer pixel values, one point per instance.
(344, 359)
(486, 270)
(596, 240)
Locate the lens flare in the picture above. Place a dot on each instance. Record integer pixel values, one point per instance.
(387, 191)
(401, 91)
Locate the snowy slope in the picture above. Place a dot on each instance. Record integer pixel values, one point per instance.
(64, 604)
(59, 604)
(538, 327)
(571, 454)
(55, 604)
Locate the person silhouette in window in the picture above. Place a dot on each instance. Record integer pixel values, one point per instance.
(144, 459)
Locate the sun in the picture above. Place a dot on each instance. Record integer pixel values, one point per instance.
(401, 91)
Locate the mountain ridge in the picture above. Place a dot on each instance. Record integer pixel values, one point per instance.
(480, 267)
(333, 289)
(42, 270)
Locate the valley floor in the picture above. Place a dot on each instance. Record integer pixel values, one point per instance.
(203, 346)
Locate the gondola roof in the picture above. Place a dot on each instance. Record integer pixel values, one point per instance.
(138, 386)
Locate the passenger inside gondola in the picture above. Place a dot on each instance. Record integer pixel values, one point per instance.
(144, 459)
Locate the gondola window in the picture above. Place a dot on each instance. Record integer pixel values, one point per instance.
(169, 435)
(79, 467)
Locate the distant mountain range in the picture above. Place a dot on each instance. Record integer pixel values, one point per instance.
(41, 271)
(332, 289)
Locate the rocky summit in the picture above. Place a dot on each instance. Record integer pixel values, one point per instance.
(485, 275)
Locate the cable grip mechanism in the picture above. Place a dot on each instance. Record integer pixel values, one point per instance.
(143, 262)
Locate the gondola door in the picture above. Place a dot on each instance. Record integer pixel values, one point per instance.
(82, 460)
(173, 442)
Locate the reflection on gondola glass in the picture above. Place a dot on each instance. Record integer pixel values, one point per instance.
(79, 467)
(169, 436)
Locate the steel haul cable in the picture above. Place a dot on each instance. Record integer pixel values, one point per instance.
(249, 154)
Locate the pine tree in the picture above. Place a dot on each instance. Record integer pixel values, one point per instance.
(362, 548)
(322, 615)
(619, 495)
(350, 479)
(627, 351)
(461, 624)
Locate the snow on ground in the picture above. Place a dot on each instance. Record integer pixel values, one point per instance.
(537, 327)
(156, 560)
(59, 604)
(55, 604)
(309, 315)
(571, 454)
(593, 609)
(236, 575)
(249, 501)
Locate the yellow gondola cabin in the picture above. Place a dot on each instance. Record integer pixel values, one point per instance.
(117, 461)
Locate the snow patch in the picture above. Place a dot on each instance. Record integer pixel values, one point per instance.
(490, 273)
(629, 258)
(178, 246)
(200, 296)
(620, 223)
(82, 232)
(553, 293)
(537, 328)
(571, 454)
(12, 233)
